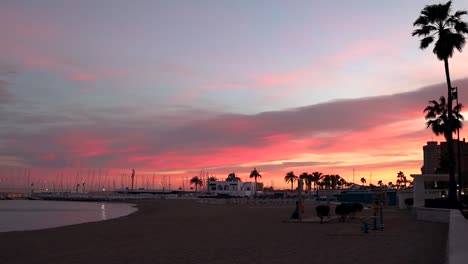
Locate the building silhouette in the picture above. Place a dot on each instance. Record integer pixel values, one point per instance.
(436, 159)
(431, 157)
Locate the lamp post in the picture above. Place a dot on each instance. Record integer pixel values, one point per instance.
(460, 185)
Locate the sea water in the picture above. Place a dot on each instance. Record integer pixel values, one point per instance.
(19, 215)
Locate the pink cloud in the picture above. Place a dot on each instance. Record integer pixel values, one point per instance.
(82, 77)
(363, 133)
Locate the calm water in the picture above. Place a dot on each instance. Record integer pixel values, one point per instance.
(16, 215)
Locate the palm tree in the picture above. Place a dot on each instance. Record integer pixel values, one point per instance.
(363, 181)
(341, 183)
(307, 179)
(290, 177)
(316, 177)
(437, 117)
(197, 181)
(436, 21)
(326, 181)
(255, 174)
(232, 177)
(334, 179)
(390, 184)
(212, 178)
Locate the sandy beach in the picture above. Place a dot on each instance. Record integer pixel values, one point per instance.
(184, 231)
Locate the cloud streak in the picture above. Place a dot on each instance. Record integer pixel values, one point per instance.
(383, 127)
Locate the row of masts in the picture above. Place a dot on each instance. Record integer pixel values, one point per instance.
(91, 179)
(87, 180)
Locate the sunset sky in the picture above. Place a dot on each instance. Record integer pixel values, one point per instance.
(173, 87)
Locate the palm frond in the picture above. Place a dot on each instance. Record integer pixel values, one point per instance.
(461, 27)
(437, 117)
(460, 13)
(437, 12)
(420, 32)
(421, 21)
(425, 42)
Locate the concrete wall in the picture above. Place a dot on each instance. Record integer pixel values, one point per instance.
(401, 196)
(428, 194)
(437, 215)
(457, 237)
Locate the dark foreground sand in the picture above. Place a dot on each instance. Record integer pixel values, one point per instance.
(182, 231)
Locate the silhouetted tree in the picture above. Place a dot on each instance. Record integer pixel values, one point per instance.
(401, 180)
(316, 178)
(255, 174)
(334, 181)
(232, 177)
(290, 178)
(437, 117)
(363, 181)
(326, 180)
(212, 178)
(341, 183)
(436, 23)
(307, 178)
(197, 181)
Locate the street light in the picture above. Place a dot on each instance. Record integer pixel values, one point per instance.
(460, 185)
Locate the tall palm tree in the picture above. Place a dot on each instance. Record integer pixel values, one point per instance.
(326, 181)
(197, 181)
(334, 179)
(255, 174)
(437, 117)
(437, 23)
(316, 178)
(307, 179)
(290, 177)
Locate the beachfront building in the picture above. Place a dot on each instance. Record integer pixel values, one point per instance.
(436, 159)
(232, 188)
(433, 181)
(422, 188)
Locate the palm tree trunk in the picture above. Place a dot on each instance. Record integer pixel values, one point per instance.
(255, 190)
(292, 185)
(449, 138)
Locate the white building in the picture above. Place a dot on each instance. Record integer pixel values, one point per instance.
(232, 188)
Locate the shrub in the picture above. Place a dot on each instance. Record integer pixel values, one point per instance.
(322, 210)
(356, 207)
(409, 202)
(343, 209)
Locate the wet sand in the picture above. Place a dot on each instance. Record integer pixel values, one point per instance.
(183, 231)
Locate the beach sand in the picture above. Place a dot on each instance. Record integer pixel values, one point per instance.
(184, 231)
